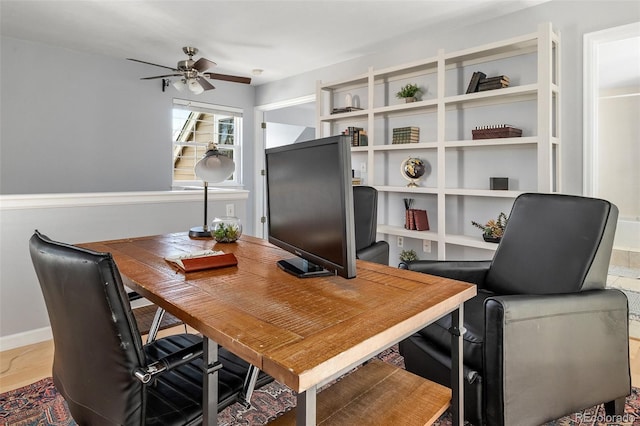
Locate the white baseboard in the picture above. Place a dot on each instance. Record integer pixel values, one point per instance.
(27, 338)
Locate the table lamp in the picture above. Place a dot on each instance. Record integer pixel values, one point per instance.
(213, 167)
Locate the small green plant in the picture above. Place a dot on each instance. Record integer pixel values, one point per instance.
(408, 255)
(493, 228)
(225, 232)
(409, 91)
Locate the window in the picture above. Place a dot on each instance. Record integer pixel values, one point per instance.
(195, 125)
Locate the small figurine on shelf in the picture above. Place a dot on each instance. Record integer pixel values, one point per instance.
(409, 93)
(493, 229)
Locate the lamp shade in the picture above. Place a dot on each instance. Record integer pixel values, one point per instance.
(214, 166)
(181, 85)
(195, 87)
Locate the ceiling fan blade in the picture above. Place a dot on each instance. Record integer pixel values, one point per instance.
(149, 63)
(203, 64)
(161, 76)
(225, 77)
(205, 84)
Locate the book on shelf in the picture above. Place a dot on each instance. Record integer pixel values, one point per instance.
(345, 109)
(501, 78)
(491, 83)
(417, 220)
(358, 136)
(475, 80)
(201, 260)
(480, 82)
(402, 135)
(492, 86)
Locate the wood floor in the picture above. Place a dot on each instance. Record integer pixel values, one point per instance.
(28, 364)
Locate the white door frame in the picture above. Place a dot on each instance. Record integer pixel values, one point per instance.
(592, 42)
(259, 147)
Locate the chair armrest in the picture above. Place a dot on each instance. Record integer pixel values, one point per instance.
(377, 252)
(169, 362)
(471, 271)
(575, 345)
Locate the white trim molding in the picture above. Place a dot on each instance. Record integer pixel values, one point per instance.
(26, 338)
(592, 41)
(31, 201)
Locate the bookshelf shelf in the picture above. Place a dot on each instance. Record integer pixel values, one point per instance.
(456, 188)
(405, 146)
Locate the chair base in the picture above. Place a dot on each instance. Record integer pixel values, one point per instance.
(615, 407)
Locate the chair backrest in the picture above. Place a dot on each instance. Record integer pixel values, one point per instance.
(96, 339)
(554, 244)
(365, 214)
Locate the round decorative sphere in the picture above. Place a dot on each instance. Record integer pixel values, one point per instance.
(413, 169)
(226, 229)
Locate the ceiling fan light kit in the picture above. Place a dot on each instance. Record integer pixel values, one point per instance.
(193, 75)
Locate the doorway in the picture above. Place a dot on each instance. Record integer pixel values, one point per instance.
(612, 128)
(277, 124)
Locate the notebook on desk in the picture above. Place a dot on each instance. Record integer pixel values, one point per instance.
(201, 260)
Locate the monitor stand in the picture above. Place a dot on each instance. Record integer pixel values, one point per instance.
(302, 268)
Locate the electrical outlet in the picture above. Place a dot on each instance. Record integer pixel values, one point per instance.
(426, 246)
(231, 210)
(400, 241)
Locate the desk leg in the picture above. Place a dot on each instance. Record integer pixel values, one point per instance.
(306, 407)
(210, 382)
(457, 376)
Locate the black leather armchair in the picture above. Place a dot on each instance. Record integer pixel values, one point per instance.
(101, 367)
(544, 338)
(365, 204)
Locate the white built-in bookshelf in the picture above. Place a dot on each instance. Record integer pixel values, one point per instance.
(455, 189)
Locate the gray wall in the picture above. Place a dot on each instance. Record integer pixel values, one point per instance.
(571, 18)
(72, 122)
(77, 218)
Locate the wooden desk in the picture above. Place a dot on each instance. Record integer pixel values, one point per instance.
(303, 332)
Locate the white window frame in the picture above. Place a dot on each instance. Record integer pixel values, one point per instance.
(237, 113)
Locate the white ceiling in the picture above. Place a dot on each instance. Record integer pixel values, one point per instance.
(283, 38)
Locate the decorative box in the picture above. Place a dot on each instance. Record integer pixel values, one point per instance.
(499, 131)
(499, 183)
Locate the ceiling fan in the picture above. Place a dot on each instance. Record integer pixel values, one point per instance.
(192, 73)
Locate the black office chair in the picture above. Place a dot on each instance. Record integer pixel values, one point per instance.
(365, 206)
(101, 367)
(544, 338)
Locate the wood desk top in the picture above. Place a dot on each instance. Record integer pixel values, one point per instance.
(300, 331)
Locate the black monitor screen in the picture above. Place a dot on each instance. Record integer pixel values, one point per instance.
(310, 205)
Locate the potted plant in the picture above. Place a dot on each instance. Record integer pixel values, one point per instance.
(493, 230)
(408, 255)
(409, 92)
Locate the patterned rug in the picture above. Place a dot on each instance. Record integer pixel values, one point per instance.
(144, 317)
(40, 404)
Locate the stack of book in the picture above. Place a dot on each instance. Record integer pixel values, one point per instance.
(491, 83)
(358, 136)
(416, 219)
(479, 82)
(405, 135)
(345, 109)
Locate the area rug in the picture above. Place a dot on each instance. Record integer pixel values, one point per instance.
(40, 404)
(144, 317)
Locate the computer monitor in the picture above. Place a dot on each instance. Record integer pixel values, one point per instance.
(310, 206)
